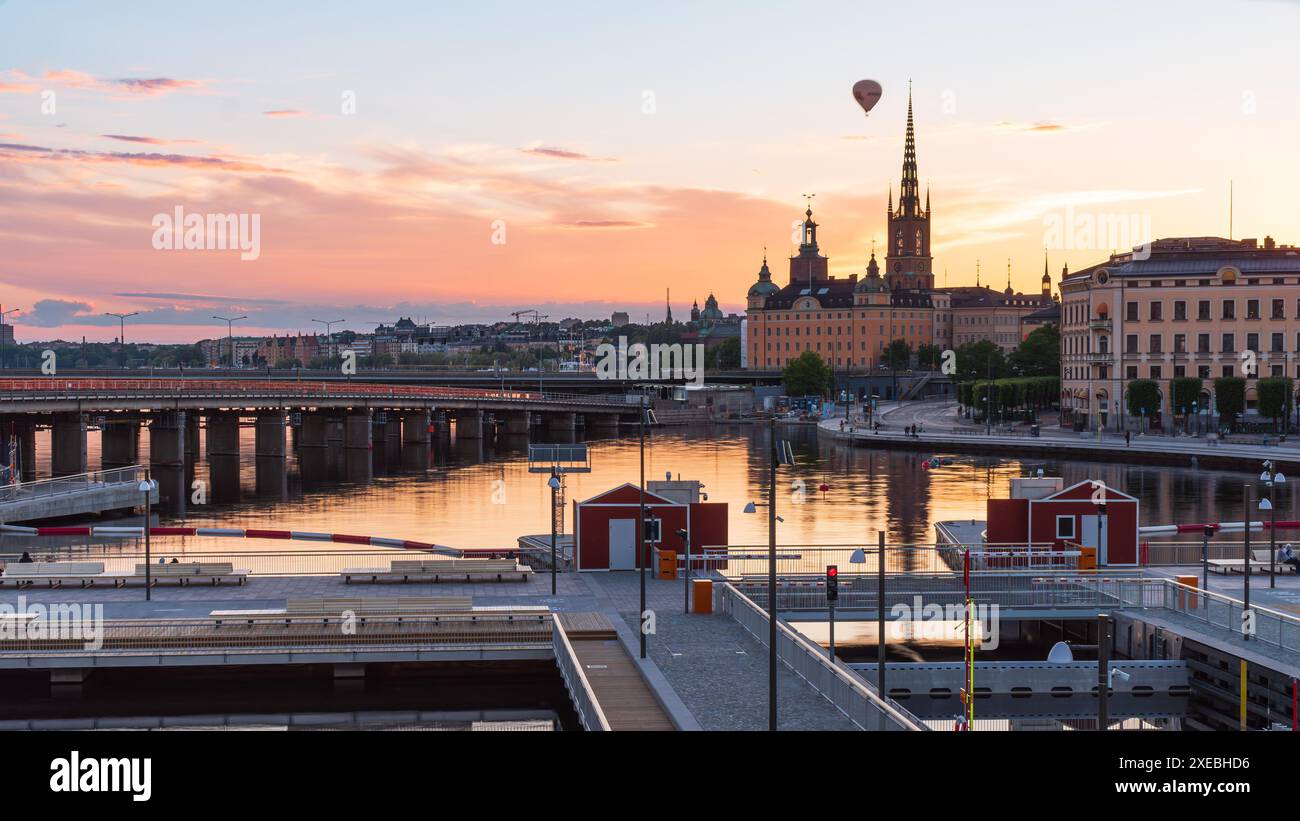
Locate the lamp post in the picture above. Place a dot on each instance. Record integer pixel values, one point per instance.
(121, 322)
(554, 484)
(146, 487)
(329, 323)
(640, 525)
(3, 314)
(772, 519)
(230, 333)
(1271, 478)
(1245, 599)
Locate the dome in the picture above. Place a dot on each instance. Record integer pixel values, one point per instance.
(872, 281)
(764, 287)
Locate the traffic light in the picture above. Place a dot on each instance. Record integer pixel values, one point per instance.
(832, 584)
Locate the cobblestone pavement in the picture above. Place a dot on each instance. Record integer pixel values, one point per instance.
(718, 670)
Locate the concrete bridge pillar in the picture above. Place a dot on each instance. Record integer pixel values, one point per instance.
(191, 437)
(312, 431)
(606, 423)
(562, 422)
(392, 439)
(358, 432)
(515, 422)
(167, 458)
(313, 446)
(271, 451)
(119, 444)
(24, 429)
(68, 444)
(223, 433)
(469, 424)
(415, 427)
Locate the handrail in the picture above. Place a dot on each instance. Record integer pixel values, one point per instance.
(861, 695)
(584, 699)
(59, 485)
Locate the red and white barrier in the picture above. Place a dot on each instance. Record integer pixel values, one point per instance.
(237, 533)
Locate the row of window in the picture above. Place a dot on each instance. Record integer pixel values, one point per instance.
(842, 330)
(1179, 371)
(1204, 310)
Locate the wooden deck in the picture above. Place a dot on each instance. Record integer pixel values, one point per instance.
(624, 696)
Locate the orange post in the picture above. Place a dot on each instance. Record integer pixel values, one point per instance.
(1088, 559)
(667, 564)
(1190, 602)
(702, 590)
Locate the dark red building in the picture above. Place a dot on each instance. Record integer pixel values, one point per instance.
(1073, 516)
(605, 527)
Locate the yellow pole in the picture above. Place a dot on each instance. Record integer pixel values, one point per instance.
(1243, 695)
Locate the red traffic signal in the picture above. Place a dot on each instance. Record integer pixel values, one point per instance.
(832, 583)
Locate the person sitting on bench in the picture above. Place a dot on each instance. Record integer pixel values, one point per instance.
(1286, 555)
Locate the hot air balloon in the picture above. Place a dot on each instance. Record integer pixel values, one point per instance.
(867, 93)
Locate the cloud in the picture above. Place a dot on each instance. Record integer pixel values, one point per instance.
(127, 138)
(17, 83)
(606, 224)
(122, 86)
(285, 112)
(1039, 127)
(556, 153)
(204, 298)
(51, 313)
(35, 153)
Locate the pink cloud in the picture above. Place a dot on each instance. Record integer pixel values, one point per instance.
(285, 112)
(128, 86)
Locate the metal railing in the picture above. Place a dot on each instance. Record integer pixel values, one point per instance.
(77, 483)
(850, 693)
(256, 562)
(575, 681)
(55, 388)
(1215, 610)
(69, 636)
(1188, 554)
(1014, 589)
(812, 560)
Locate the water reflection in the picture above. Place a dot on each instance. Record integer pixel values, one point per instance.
(479, 493)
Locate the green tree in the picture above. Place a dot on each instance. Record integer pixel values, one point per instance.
(1273, 394)
(897, 355)
(728, 354)
(979, 360)
(1185, 392)
(1039, 354)
(1143, 397)
(927, 357)
(1230, 398)
(808, 375)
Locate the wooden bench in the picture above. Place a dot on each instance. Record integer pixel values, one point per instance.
(439, 570)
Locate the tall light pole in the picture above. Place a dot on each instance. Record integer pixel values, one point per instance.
(329, 323)
(1271, 479)
(121, 321)
(640, 527)
(554, 484)
(3, 314)
(147, 487)
(230, 333)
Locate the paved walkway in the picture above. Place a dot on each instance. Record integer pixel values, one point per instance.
(942, 429)
(717, 669)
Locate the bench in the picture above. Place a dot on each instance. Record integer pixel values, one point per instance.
(186, 572)
(54, 574)
(323, 609)
(87, 574)
(438, 570)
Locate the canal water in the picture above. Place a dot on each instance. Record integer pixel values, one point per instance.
(479, 493)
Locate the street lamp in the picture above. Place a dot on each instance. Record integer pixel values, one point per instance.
(554, 484)
(230, 333)
(1271, 477)
(147, 486)
(121, 321)
(329, 323)
(772, 519)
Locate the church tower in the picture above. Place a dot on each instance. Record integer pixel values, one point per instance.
(908, 264)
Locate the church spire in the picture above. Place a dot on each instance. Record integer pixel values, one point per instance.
(909, 198)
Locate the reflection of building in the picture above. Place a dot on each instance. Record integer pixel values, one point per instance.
(1196, 306)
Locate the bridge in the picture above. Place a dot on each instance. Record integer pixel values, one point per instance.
(332, 420)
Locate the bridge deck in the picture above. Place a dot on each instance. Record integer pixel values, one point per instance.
(620, 689)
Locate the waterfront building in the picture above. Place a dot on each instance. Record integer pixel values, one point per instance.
(1202, 307)
(850, 321)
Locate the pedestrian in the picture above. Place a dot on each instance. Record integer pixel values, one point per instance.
(1286, 555)
(1128, 438)
(26, 559)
